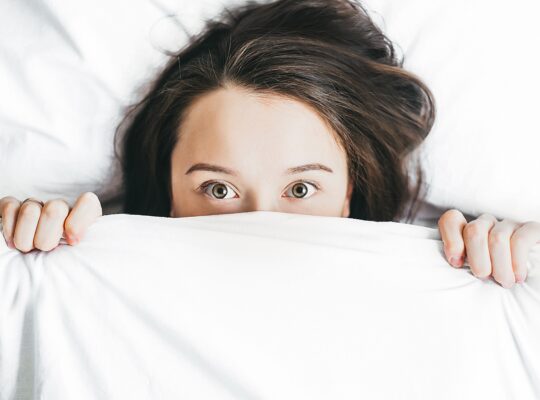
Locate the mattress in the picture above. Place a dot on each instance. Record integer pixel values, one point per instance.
(262, 305)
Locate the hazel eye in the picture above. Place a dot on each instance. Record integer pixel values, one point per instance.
(218, 190)
(300, 190)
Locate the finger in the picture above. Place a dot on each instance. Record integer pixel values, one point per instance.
(500, 252)
(451, 226)
(85, 211)
(9, 208)
(51, 224)
(25, 227)
(476, 235)
(521, 242)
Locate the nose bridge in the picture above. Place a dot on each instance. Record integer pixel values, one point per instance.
(261, 201)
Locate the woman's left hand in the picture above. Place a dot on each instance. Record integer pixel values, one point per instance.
(492, 247)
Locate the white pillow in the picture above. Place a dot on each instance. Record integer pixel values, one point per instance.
(68, 69)
(480, 58)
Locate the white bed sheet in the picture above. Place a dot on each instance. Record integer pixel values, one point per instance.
(262, 305)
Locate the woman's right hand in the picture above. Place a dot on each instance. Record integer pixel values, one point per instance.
(29, 225)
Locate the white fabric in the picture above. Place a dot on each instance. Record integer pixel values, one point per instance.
(67, 71)
(480, 59)
(262, 305)
(68, 67)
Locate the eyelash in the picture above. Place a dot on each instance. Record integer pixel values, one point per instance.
(204, 185)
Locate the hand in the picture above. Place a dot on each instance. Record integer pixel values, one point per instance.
(498, 248)
(30, 225)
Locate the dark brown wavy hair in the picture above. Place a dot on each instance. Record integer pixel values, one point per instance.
(328, 54)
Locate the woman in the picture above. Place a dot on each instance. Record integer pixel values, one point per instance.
(298, 106)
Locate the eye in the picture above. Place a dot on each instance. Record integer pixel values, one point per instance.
(300, 190)
(217, 190)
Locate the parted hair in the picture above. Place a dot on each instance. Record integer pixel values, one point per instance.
(328, 54)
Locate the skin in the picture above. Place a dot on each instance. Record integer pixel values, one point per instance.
(29, 225)
(492, 248)
(258, 138)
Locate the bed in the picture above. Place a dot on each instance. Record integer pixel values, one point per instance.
(264, 305)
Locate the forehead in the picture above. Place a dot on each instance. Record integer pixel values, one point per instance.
(235, 126)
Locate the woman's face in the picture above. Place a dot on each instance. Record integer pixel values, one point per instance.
(240, 151)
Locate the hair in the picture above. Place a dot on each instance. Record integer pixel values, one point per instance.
(328, 54)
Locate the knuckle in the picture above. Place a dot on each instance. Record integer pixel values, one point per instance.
(31, 210)
(488, 216)
(55, 209)
(497, 238)
(473, 230)
(518, 235)
(9, 208)
(89, 197)
(8, 200)
(449, 215)
(453, 213)
(91, 200)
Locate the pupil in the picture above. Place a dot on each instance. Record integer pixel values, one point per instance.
(300, 189)
(219, 193)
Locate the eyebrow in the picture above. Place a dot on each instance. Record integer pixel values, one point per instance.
(289, 171)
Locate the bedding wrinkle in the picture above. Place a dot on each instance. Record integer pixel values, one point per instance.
(261, 306)
(56, 291)
(196, 357)
(26, 375)
(47, 14)
(515, 318)
(28, 134)
(15, 72)
(26, 291)
(72, 273)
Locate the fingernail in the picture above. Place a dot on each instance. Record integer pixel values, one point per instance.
(71, 240)
(454, 261)
(520, 280)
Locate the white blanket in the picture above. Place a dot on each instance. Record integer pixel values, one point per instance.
(262, 305)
